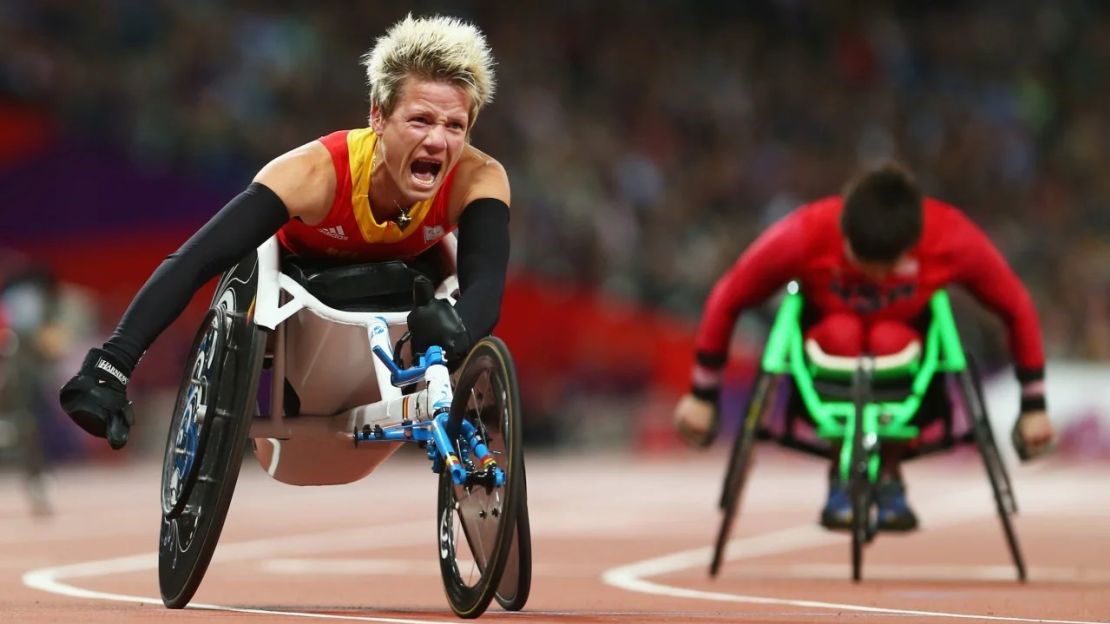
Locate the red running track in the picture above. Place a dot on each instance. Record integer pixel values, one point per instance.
(616, 539)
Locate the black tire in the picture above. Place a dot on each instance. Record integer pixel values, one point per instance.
(739, 463)
(859, 482)
(516, 579)
(188, 539)
(972, 395)
(485, 516)
(861, 511)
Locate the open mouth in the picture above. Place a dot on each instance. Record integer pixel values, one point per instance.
(424, 171)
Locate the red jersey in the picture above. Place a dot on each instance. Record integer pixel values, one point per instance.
(808, 246)
(350, 230)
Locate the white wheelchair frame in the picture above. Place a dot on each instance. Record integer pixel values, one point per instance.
(326, 354)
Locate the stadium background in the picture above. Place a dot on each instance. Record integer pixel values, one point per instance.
(647, 143)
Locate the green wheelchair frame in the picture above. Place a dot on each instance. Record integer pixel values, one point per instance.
(853, 411)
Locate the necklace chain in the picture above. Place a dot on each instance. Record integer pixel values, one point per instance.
(402, 219)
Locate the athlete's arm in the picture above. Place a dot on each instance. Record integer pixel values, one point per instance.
(483, 253)
(294, 184)
(985, 273)
(770, 262)
(304, 179)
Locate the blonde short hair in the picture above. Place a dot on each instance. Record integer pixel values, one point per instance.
(435, 48)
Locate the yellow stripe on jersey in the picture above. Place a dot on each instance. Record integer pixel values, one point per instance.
(360, 148)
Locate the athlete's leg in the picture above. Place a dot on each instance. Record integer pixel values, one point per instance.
(838, 335)
(892, 338)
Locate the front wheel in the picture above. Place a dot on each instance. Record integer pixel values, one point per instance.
(477, 523)
(739, 464)
(860, 486)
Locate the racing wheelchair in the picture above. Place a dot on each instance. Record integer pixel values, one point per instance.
(330, 341)
(858, 407)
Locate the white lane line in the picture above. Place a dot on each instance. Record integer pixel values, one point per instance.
(632, 577)
(275, 455)
(954, 573)
(51, 579)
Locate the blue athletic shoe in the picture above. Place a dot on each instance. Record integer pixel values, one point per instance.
(837, 514)
(894, 511)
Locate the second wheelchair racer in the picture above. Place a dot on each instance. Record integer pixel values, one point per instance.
(868, 262)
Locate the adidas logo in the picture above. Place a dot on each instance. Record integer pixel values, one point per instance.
(334, 232)
(103, 365)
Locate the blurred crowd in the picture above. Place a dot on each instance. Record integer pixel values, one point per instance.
(647, 142)
(43, 324)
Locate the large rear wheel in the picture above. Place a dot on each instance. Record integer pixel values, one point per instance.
(972, 395)
(739, 463)
(208, 432)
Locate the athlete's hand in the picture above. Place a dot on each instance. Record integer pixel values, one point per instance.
(696, 420)
(1032, 435)
(437, 323)
(96, 398)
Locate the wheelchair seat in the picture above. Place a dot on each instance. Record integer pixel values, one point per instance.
(368, 286)
(901, 364)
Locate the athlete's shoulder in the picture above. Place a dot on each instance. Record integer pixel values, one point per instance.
(479, 175)
(948, 233)
(936, 207)
(943, 219)
(303, 178)
(336, 134)
(335, 139)
(823, 208)
(818, 216)
(476, 164)
(813, 227)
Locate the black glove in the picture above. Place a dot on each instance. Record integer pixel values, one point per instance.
(96, 398)
(437, 323)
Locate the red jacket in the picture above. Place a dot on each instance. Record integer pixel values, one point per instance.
(807, 245)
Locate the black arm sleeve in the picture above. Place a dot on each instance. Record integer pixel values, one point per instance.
(240, 227)
(482, 261)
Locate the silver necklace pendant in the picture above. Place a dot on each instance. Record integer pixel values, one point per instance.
(403, 219)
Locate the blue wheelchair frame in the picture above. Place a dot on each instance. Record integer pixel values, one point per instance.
(433, 432)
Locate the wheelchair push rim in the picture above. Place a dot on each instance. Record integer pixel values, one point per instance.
(189, 432)
(477, 523)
